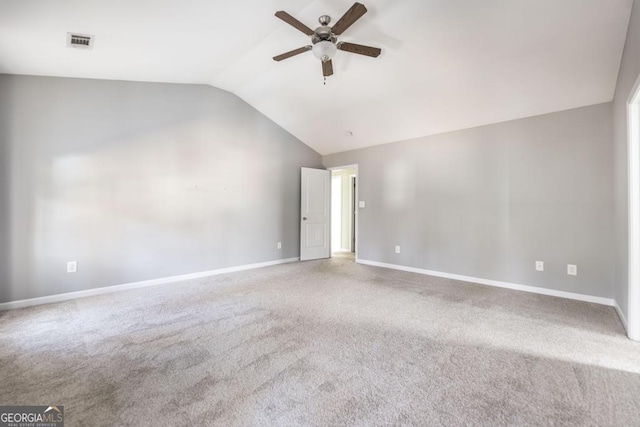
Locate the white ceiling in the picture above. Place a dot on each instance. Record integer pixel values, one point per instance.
(445, 64)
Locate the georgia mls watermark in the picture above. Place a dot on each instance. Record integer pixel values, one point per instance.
(31, 416)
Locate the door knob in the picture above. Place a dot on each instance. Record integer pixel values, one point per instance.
(304, 218)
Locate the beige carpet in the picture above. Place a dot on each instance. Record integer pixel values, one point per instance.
(322, 343)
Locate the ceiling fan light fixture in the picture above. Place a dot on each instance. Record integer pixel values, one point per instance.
(324, 50)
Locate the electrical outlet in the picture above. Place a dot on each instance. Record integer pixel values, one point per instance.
(539, 265)
(572, 270)
(397, 249)
(279, 245)
(72, 266)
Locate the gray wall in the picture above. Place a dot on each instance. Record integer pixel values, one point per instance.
(629, 71)
(488, 202)
(138, 181)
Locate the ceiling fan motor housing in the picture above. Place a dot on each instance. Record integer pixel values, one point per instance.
(323, 33)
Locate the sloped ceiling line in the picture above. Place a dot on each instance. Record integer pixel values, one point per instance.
(446, 64)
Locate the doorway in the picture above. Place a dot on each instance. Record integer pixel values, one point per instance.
(344, 187)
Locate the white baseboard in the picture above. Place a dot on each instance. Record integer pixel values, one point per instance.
(524, 288)
(621, 315)
(136, 285)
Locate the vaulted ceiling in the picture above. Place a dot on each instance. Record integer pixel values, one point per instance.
(445, 64)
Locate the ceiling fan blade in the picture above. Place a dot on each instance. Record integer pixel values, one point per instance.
(294, 22)
(359, 49)
(352, 15)
(291, 53)
(327, 68)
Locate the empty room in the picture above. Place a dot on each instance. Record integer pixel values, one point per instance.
(320, 212)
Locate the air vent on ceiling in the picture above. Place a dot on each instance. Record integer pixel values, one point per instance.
(80, 41)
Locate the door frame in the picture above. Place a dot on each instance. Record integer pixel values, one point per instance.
(353, 183)
(357, 214)
(633, 154)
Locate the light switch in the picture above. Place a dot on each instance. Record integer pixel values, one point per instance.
(72, 267)
(361, 204)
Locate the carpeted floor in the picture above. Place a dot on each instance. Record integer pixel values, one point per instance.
(322, 343)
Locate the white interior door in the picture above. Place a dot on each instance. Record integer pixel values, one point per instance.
(633, 302)
(315, 214)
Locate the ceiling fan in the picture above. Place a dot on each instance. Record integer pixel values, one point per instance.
(324, 39)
